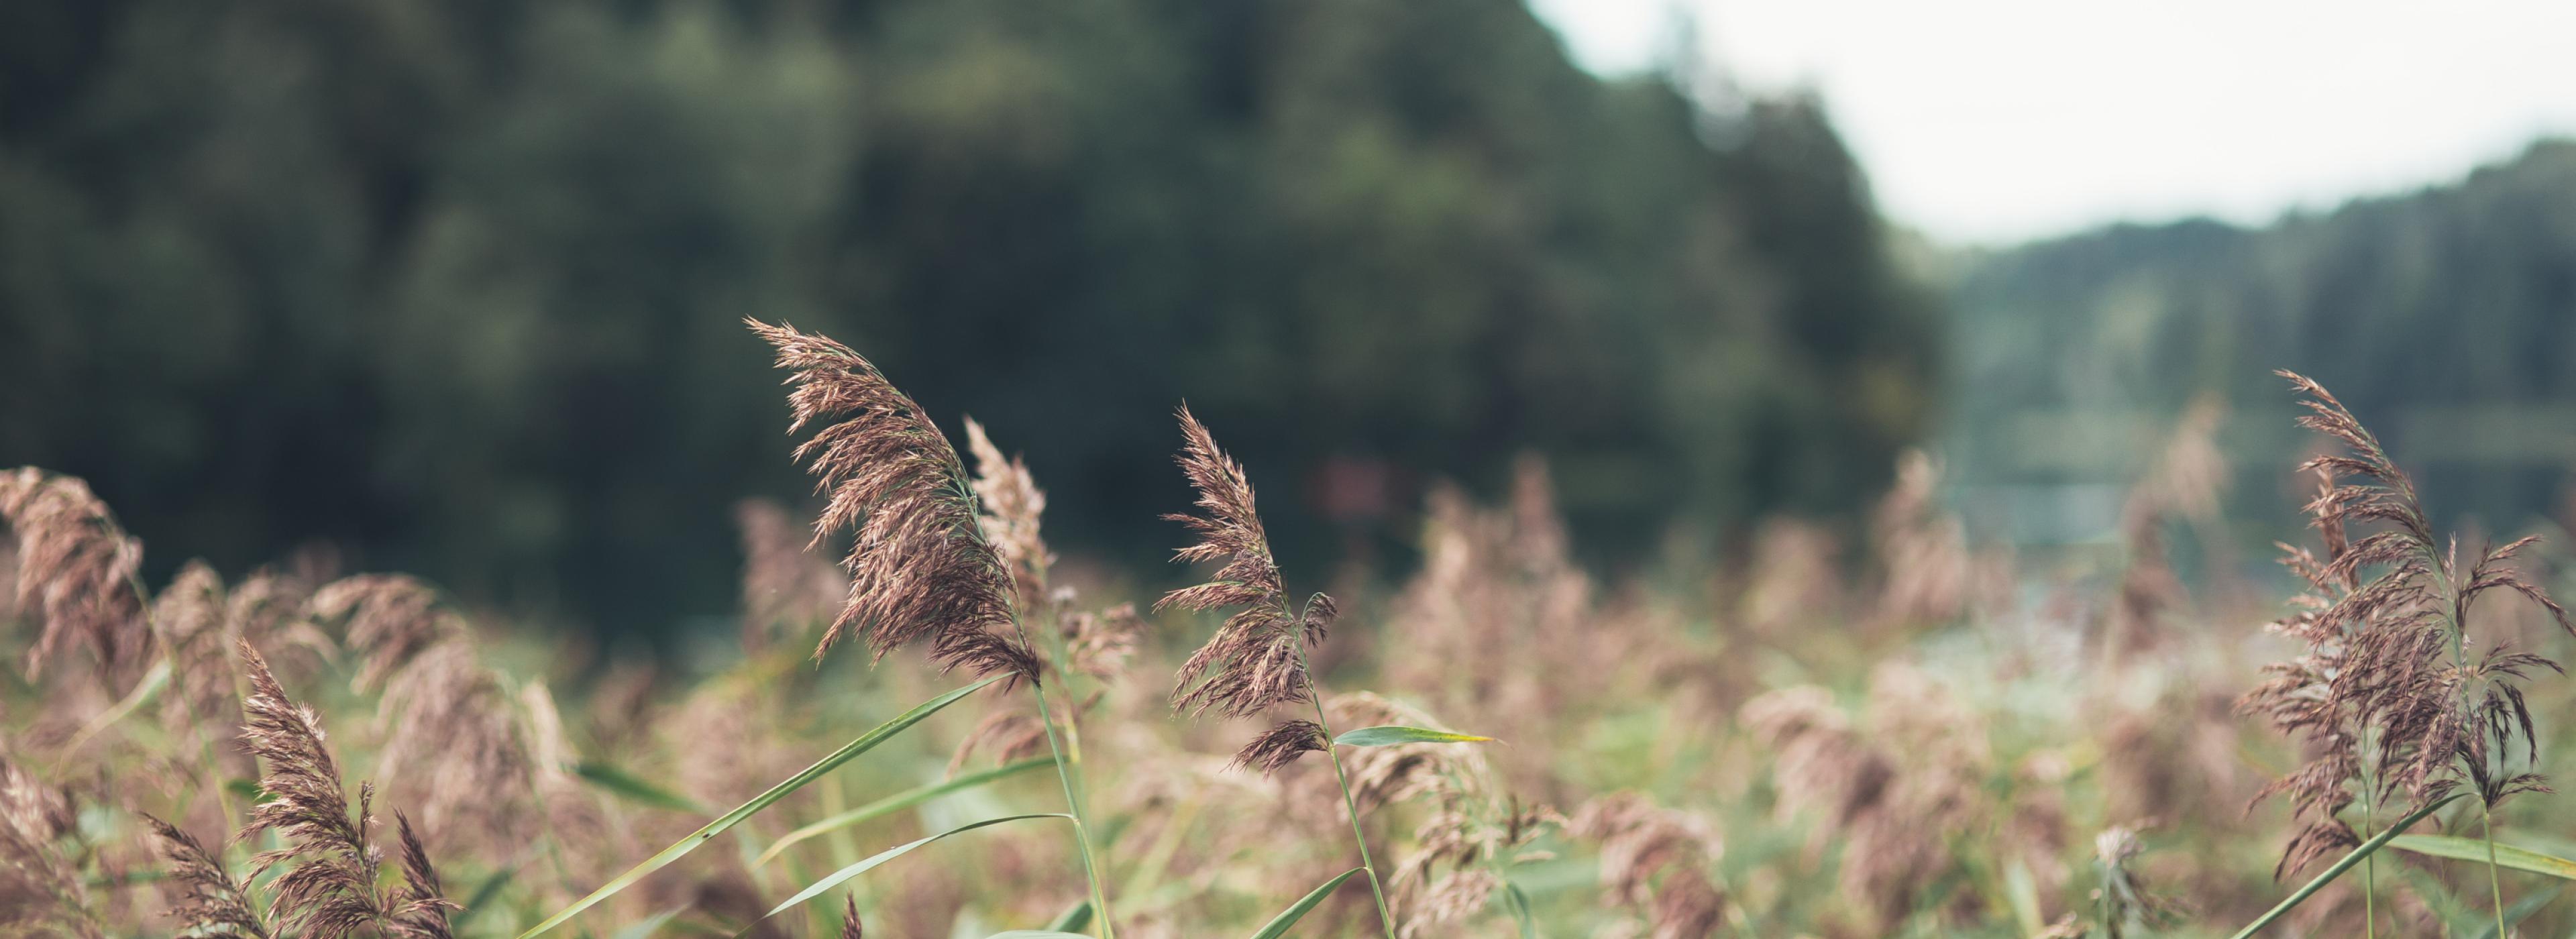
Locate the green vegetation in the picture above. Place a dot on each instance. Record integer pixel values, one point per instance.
(454, 286)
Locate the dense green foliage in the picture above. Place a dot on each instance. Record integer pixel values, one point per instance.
(2452, 310)
(458, 284)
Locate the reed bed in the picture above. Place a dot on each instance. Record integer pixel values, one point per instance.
(923, 729)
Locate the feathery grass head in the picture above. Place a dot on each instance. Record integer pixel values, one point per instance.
(76, 571)
(1253, 662)
(2386, 623)
(785, 587)
(1279, 746)
(41, 890)
(920, 567)
(455, 751)
(1012, 506)
(331, 891)
(1655, 859)
(390, 619)
(212, 902)
(420, 907)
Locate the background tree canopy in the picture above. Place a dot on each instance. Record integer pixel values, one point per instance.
(458, 284)
(2446, 316)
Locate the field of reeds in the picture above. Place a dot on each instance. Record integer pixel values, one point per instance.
(926, 729)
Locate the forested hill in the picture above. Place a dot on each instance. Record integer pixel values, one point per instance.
(458, 286)
(2446, 317)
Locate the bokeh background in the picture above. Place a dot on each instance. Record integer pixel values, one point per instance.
(456, 288)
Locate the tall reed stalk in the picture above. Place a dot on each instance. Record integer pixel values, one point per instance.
(921, 567)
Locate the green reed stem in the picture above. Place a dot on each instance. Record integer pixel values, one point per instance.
(1064, 777)
(1350, 806)
(2495, 886)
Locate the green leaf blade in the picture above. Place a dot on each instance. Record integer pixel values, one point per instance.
(865, 742)
(1393, 735)
(842, 876)
(2455, 848)
(1279, 925)
(896, 803)
(628, 786)
(2346, 863)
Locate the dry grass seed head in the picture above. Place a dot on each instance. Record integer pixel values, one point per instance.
(1007, 735)
(920, 567)
(211, 902)
(454, 749)
(331, 890)
(76, 572)
(1654, 859)
(40, 889)
(2379, 660)
(1253, 662)
(389, 619)
(1281, 745)
(1012, 507)
(1100, 644)
(786, 588)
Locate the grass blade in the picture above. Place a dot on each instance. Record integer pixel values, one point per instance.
(843, 875)
(482, 897)
(2472, 849)
(649, 925)
(1278, 925)
(2521, 910)
(627, 786)
(1073, 918)
(144, 692)
(2340, 866)
(1392, 734)
(863, 744)
(896, 803)
(1520, 907)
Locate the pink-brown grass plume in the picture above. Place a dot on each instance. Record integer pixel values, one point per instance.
(331, 891)
(920, 566)
(211, 902)
(1253, 662)
(76, 571)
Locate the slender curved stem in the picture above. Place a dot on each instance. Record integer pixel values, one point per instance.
(1350, 806)
(2495, 887)
(1081, 827)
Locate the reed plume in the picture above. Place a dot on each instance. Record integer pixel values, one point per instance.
(420, 906)
(2125, 902)
(331, 891)
(922, 563)
(786, 589)
(850, 926)
(1012, 505)
(920, 567)
(1279, 746)
(2387, 697)
(1655, 860)
(41, 890)
(1256, 660)
(455, 750)
(76, 572)
(389, 619)
(212, 902)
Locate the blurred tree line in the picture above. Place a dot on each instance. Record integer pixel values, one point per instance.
(458, 284)
(2445, 317)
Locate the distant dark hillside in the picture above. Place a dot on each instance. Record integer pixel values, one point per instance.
(2446, 317)
(459, 285)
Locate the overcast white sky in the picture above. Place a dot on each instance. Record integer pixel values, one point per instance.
(1999, 120)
